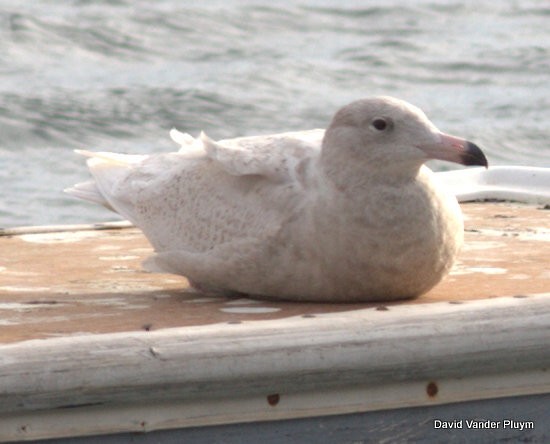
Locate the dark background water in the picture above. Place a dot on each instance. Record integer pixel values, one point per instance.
(117, 75)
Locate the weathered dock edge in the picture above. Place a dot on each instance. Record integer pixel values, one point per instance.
(410, 355)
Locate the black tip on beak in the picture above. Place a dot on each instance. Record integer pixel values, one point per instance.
(472, 155)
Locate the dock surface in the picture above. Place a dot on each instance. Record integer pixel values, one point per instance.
(80, 281)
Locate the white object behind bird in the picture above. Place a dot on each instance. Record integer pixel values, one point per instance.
(350, 214)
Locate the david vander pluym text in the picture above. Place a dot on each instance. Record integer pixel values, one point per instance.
(483, 424)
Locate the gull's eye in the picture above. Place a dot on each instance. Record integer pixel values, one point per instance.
(380, 124)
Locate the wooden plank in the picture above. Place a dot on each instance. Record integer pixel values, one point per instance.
(334, 363)
(517, 419)
(55, 282)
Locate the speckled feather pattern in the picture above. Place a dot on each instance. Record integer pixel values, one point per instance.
(346, 215)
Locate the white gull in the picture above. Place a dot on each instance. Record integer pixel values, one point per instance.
(350, 214)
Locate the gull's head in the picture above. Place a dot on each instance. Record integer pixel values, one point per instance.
(385, 134)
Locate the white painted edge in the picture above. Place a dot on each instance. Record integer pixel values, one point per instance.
(511, 183)
(334, 363)
(110, 225)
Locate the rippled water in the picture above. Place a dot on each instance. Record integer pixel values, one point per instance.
(117, 75)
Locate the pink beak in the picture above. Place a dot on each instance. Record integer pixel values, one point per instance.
(455, 149)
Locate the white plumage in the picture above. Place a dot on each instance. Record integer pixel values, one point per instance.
(349, 214)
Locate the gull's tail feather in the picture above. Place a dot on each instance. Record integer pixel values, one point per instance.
(108, 171)
(113, 158)
(88, 191)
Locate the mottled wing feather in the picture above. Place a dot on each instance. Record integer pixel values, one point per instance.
(275, 157)
(208, 194)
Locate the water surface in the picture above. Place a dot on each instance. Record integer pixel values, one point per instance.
(117, 75)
